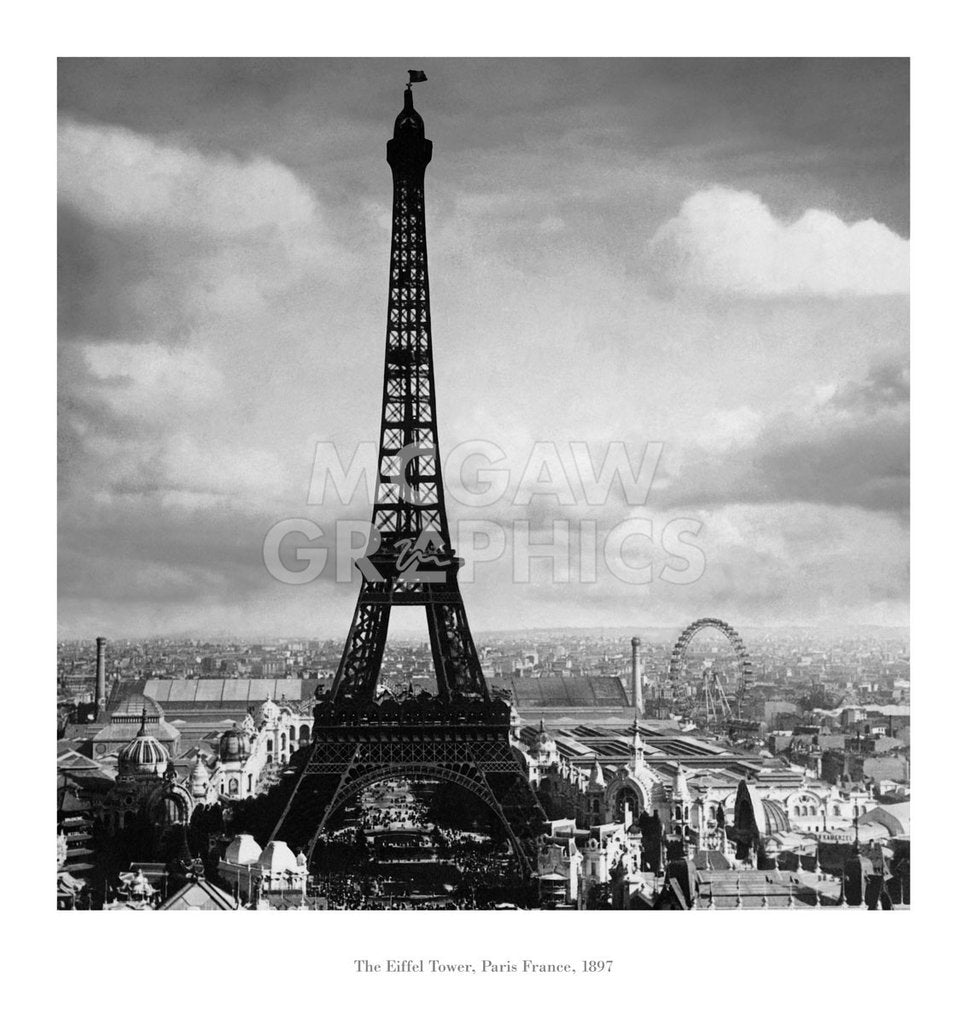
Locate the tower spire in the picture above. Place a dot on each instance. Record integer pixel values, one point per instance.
(414, 563)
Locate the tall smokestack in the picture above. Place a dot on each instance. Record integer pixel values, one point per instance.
(100, 692)
(636, 675)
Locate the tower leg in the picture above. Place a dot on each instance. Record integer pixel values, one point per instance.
(454, 654)
(362, 656)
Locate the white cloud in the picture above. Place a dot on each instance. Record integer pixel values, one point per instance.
(122, 179)
(845, 446)
(172, 438)
(170, 238)
(725, 429)
(727, 241)
(231, 471)
(151, 381)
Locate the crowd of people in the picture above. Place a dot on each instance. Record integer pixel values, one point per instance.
(360, 867)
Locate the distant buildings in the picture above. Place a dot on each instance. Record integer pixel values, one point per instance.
(166, 759)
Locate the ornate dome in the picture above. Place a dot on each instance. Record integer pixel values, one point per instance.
(277, 857)
(268, 713)
(234, 745)
(143, 755)
(243, 849)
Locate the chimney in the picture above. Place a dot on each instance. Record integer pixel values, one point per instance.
(100, 693)
(636, 675)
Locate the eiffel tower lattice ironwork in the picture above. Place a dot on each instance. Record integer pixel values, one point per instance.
(461, 735)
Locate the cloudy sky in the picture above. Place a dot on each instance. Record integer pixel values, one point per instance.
(707, 255)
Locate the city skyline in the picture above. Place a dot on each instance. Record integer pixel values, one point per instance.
(224, 233)
(419, 635)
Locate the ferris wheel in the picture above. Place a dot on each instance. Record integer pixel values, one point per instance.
(716, 703)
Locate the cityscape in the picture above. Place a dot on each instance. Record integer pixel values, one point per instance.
(624, 730)
(816, 750)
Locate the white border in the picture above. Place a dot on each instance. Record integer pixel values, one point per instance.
(800, 967)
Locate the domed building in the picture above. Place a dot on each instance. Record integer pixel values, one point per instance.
(238, 867)
(147, 787)
(250, 872)
(245, 750)
(143, 755)
(125, 724)
(543, 749)
(540, 755)
(148, 791)
(281, 871)
(235, 745)
(237, 769)
(277, 858)
(243, 850)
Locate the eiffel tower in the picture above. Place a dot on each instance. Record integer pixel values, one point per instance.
(462, 734)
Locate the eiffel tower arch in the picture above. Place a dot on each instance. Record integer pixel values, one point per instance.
(462, 734)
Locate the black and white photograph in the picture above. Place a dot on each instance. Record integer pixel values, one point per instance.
(579, 581)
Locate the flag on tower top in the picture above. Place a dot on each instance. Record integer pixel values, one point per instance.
(417, 76)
